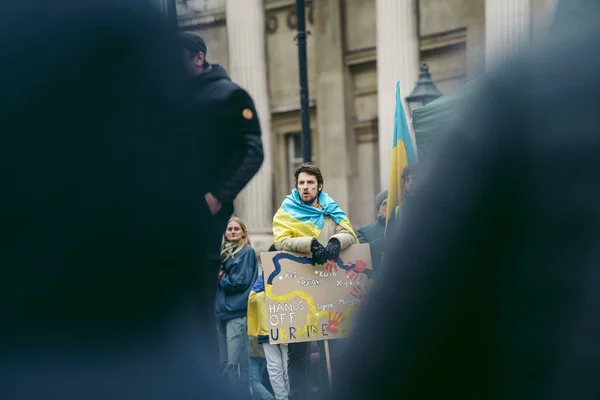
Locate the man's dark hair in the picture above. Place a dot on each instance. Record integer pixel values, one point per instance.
(194, 43)
(309, 168)
(410, 169)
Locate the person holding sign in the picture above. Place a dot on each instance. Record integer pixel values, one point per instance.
(309, 221)
(276, 355)
(238, 273)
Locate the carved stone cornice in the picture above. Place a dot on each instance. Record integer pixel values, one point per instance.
(366, 130)
(443, 39)
(193, 18)
(360, 56)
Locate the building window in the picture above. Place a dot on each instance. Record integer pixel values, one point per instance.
(294, 154)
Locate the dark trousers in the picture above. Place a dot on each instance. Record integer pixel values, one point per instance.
(298, 370)
(298, 363)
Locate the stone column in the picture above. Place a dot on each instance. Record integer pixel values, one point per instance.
(336, 147)
(248, 68)
(397, 60)
(508, 28)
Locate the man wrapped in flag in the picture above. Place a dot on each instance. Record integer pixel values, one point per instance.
(402, 167)
(309, 221)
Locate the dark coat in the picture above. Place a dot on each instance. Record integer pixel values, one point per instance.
(225, 113)
(241, 272)
(492, 290)
(370, 232)
(375, 230)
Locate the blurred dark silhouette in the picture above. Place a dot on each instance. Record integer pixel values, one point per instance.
(102, 209)
(492, 289)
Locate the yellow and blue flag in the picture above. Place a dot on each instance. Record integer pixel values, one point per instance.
(296, 219)
(403, 153)
(258, 325)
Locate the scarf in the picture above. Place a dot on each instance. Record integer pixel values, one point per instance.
(302, 220)
(229, 248)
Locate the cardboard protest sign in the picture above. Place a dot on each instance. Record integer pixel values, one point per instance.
(307, 302)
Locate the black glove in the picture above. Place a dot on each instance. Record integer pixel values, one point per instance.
(318, 252)
(333, 249)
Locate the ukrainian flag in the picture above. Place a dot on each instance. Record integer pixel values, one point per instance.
(296, 219)
(403, 153)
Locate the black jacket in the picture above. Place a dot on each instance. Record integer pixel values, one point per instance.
(492, 290)
(226, 115)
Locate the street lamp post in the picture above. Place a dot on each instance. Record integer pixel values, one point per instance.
(425, 91)
(304, 105)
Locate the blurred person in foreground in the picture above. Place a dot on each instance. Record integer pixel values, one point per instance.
(101, 233)
(493, 288)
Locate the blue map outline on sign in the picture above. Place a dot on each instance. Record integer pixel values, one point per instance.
(308, 261)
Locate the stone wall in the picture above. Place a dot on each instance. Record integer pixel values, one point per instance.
(348, 137)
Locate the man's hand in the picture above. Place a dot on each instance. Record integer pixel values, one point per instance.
(318, 253)
(213, 203)
(333, 249)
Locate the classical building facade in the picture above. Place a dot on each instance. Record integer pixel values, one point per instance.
(357, 50)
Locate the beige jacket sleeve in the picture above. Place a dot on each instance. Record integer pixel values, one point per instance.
(331, 230)
(296, 244)
(346, 238)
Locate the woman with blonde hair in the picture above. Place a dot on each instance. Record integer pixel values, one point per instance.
(239, 270)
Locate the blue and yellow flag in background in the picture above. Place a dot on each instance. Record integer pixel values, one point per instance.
(403, 153)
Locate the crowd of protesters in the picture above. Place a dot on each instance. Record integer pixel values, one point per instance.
(119, 170)
(281, 371)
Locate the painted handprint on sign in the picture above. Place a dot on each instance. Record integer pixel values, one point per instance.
(357, 270)
(335, 319)
(360, 293)
(331, 267)
(324, 300)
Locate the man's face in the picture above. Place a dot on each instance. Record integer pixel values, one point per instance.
(382, 209)
(193, 62)
(309, 188)
(409, 182)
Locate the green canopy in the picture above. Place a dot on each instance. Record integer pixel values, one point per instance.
(434, 119)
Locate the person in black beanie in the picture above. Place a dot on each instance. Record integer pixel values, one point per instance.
(373, 233)
(224, 112)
